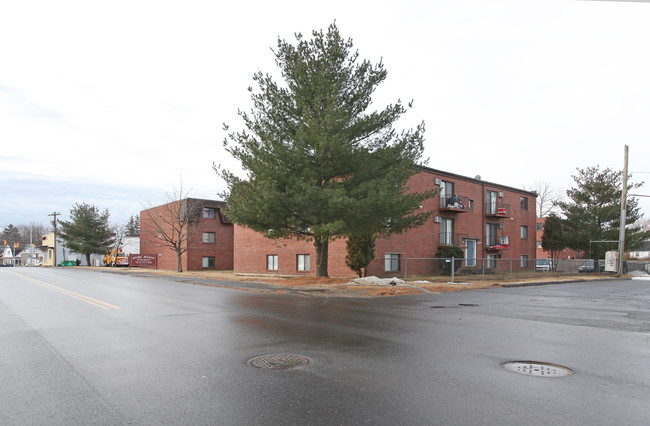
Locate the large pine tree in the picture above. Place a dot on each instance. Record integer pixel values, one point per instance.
(318, 165)
(593, 212)
(87, 231)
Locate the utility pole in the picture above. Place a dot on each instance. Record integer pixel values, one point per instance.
(55, 214)
(621, 234)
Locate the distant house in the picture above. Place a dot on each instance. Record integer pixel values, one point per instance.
(642, 253)
(63, 253)
(31, 256)
(7, 256)
(210, 235)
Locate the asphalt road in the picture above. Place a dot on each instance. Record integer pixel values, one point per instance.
(85, 347)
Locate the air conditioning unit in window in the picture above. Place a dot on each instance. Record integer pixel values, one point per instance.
(501, 226)
(437, 181)
(436, 219)
(500, 194)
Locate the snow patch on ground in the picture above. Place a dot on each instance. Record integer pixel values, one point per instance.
(369, 281)
(640, 275)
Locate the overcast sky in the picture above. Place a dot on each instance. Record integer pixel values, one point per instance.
(114, 103)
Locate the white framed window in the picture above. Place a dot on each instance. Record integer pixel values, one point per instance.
(524, 232)
(492, 261)
(524, 261)
(208, 237)
(271, 262)
(446, 231)
(491, 203)
(302, 262)
(392, 262)
(208, 262)
(446, 192)
(209, 212)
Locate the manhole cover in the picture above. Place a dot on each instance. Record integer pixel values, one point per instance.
(538, 369)
(279, 362)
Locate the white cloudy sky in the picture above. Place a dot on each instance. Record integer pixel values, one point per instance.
(113, 103)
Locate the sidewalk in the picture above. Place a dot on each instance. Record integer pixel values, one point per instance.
(341, 287)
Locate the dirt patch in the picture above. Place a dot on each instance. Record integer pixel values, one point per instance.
(346, 287)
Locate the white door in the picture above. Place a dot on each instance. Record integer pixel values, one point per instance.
(470, 253)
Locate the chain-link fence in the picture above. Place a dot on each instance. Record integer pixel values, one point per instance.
(489, 268)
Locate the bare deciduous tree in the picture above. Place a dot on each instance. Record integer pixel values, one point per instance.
(170, 223)
(548, 198)
(119, 233)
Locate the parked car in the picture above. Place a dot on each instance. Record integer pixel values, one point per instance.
(588, 266)
(542, 265)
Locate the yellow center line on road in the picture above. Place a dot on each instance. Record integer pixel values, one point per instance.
(81, 297)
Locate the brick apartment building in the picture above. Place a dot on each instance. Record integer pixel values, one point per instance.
(489, 221)
(210, 235)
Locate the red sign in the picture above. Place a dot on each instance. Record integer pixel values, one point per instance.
(143, 260)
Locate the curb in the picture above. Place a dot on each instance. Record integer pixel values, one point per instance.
(561, 282)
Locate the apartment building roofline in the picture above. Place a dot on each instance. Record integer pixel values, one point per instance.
(474, 179)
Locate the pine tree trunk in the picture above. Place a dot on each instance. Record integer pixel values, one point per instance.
(321, 244)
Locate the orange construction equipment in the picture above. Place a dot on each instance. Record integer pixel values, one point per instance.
(110, 259)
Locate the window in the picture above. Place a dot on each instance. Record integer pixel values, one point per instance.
(524, 261)
(491, 238)
(540, 227)
(391, 262)
(524, 232)
(492, 261)
(446, 231)
(271, 262)
(208, 237)
(208, 262)
(491, 202)
(303, 262)
(470, 205)
(524, 203)
(446, 192)
(209, 212)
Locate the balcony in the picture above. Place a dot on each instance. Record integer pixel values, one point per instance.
(497, 242)
(452, 239)
(454, 203)
(497, 210)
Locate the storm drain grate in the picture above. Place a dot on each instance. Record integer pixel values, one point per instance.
(279, 362)
(537, 369)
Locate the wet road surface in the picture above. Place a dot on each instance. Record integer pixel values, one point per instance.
(83, 347)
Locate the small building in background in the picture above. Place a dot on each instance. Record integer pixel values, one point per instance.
(209, 243)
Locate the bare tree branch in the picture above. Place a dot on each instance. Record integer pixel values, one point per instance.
(170, 224)
(548, 198)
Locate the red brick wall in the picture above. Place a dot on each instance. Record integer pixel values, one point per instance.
(251, 248)
(221, 249)
(192, 259)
